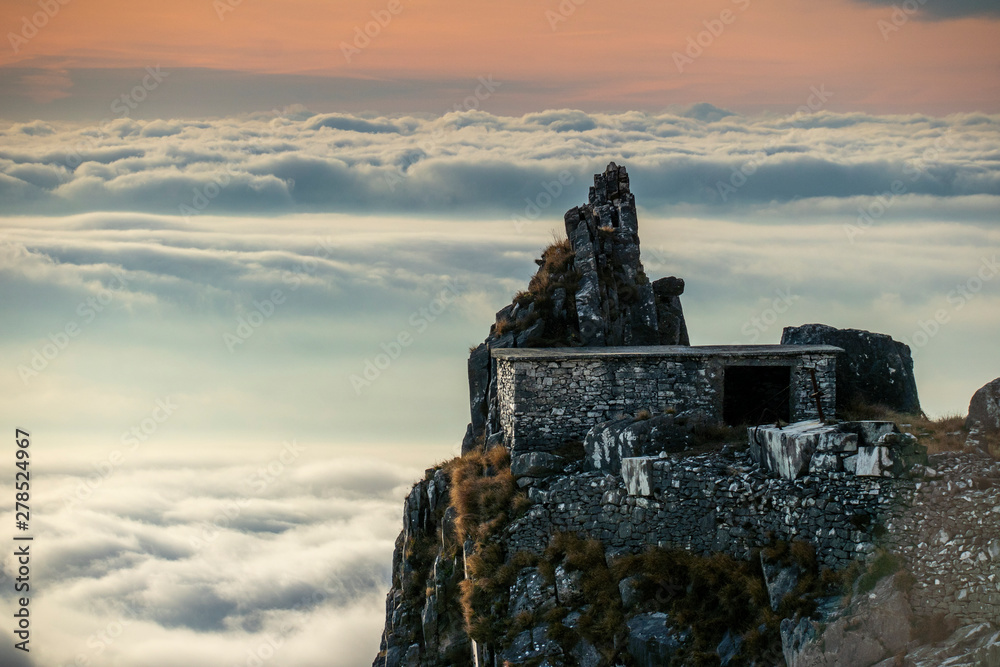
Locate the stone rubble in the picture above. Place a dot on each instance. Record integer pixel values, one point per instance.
(864, 448)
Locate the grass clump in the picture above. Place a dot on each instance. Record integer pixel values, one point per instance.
(556, 270)
(946, 434)
(883, 565)
(603, 620)
(718, 593)
(486, 499)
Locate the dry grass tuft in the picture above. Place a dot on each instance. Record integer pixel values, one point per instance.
(947, 434)
(486, 498)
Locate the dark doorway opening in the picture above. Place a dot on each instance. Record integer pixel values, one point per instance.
(756, 395)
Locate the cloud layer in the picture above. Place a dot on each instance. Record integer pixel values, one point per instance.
(478, 164)
(195, 341)
(285, 556)
(949, 10)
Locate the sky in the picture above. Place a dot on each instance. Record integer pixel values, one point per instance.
(218, 220)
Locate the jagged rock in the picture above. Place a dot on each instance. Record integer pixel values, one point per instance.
(874, 369)
(669, 315)
(469, 440)
(569, 586)
(984, 409)
(874, 627)
(608, 443)
(652, 642)
(796, 634)
(779, 579)
(729, 648)
(479, 382)
(973, 645)
(585, 654)
(531, 593)
(628, 588)
(529, 645)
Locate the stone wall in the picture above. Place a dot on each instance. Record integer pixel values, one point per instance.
(549, 396)
(707, 504)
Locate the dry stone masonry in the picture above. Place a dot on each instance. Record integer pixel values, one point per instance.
(549, 396)
(711, 503)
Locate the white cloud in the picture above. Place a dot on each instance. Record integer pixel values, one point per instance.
(475, 163)
(184, 554)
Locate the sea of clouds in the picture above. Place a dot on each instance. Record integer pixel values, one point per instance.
(475, 163)
(228, 280)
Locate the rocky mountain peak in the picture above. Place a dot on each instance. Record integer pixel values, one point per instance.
(590, 290)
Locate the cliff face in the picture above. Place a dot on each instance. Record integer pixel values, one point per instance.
(698, 556)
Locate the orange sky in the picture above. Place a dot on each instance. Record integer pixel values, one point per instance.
(616, 53)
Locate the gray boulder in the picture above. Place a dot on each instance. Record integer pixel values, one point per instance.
(876, 626)
(530, 645)
(531, 593)
(652, 641)
(873, 369)
(608, 443)
(984, 409)
(780, 580)
(536, 464)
